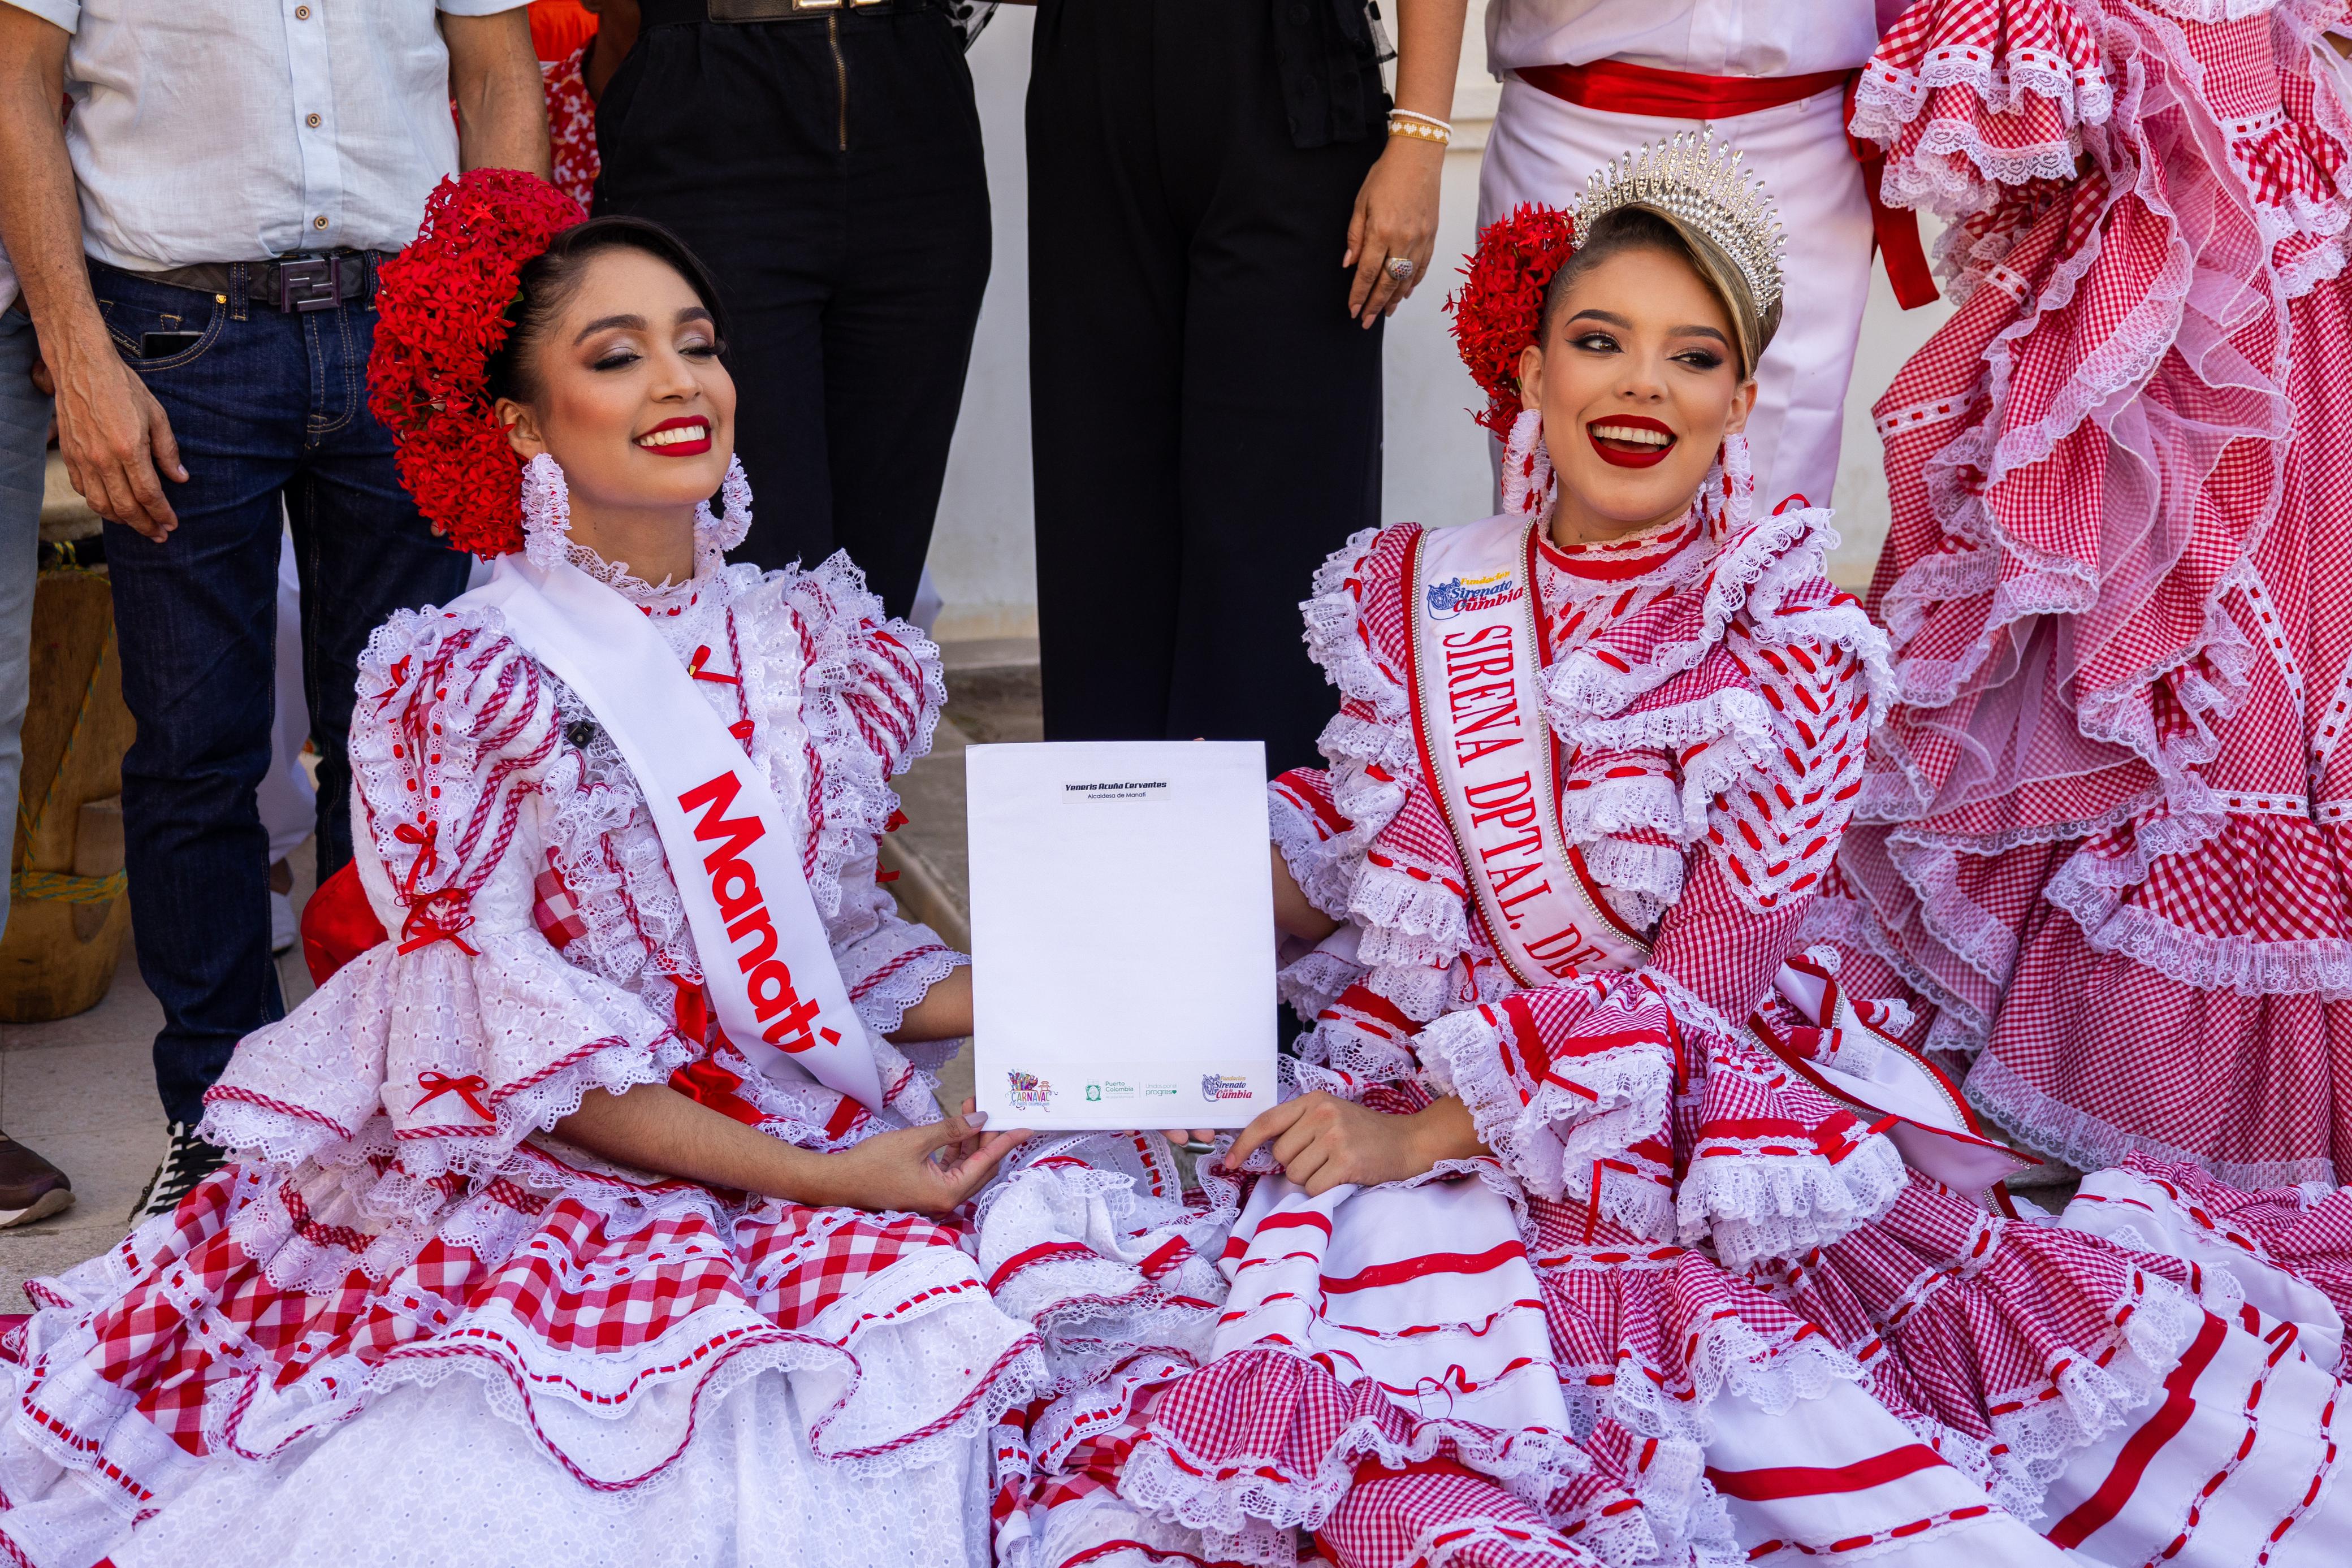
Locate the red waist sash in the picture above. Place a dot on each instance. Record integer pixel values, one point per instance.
(1614, 87)
(1617, 88)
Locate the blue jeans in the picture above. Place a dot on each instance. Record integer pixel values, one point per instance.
(24, 446)
(268, 408)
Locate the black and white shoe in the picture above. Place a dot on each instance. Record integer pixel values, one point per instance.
(188, 1161)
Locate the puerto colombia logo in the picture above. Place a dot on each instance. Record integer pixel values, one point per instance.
(1215, 1086)
(1463, 595)
(1029, 1091)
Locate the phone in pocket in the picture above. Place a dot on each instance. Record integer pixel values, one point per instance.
(161, 345)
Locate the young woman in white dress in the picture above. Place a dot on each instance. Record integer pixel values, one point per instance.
(588, 1212)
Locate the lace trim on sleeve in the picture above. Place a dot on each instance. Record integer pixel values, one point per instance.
(1570, 1087)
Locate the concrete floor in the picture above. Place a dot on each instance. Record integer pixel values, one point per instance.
(82, 1091)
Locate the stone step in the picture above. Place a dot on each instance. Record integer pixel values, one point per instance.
(993, 697)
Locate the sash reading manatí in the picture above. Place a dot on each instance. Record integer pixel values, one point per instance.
(765, 956)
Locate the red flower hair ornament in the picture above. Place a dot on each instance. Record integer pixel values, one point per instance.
(441, 314)
(1499, 308)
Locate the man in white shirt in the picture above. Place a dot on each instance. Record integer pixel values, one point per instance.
(1584, 80)
(198, 246)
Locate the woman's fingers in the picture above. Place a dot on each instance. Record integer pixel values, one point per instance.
(1267, 1123)
(1302, 1170)
(969, 1174)
(1292, 1147)
(1373, 284)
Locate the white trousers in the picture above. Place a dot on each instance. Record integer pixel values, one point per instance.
(1542, 148)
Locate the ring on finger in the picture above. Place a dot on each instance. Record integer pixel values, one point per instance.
(1401, 267)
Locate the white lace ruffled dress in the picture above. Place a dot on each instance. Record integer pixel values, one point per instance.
(407, 1323)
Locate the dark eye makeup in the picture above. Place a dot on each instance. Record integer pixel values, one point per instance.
(1603, 343)
(621, 355)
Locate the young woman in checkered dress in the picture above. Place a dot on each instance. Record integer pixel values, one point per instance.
(1598, 1269)
(2101, 845)
(519, 1259)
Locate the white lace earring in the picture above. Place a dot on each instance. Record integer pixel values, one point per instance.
(1527, 479)
(714, 534)
(546, 512)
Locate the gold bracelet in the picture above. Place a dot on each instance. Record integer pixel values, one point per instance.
(1414, 128)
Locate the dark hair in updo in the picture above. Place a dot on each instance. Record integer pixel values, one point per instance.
(549, 279)
(1631, 228)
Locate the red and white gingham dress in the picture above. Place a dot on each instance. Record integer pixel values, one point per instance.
(1688, 1310)
(406, 1323)
(2102, 840)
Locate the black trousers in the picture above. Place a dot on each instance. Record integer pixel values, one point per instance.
(1205, 418)
(828, 171)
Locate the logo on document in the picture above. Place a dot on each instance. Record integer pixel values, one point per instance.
(1215, 1086)
(1029, 1091)
(1461, 595)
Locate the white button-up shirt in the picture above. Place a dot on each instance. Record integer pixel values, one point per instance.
(1705, 38)
(238, 130)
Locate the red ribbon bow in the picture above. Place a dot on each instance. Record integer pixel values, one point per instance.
(437, 1084)
(438, 916)
(694, 668)
(429, 854)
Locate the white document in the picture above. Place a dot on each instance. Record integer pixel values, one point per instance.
(1122, 933)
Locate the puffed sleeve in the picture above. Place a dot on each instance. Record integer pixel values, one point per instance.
(854, 697)
(435, 1052)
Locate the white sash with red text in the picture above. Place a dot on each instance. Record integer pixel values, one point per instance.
(1477, 718)
(765, 956)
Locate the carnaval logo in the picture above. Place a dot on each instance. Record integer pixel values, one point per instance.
(1215, 1086)
(1464, 595)
(1029, 1091)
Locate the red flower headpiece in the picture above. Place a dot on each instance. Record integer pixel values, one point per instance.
(441, 313)
(1499, 308)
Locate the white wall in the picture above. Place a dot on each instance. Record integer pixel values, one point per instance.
(1436, 468)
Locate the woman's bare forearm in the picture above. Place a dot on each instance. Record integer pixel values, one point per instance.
(653, 1127)
(1294, 914)
(944, 1013)
(1429, 55)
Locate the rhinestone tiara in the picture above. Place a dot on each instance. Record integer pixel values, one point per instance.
(1691, 178)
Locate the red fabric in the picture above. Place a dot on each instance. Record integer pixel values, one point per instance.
(337, 924)
(1894, 230)
(1613, 87)
(557, 28)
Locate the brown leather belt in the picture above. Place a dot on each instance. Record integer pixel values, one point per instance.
(294, 282)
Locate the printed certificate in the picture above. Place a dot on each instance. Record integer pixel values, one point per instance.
(1122, 933)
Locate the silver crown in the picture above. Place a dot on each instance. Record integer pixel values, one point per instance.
(1702, 186)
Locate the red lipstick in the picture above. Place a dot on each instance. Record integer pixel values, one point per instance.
(1629, 453)
(690, 446)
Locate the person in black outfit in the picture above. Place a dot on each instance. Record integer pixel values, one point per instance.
(1222, 210)
(825, 162)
